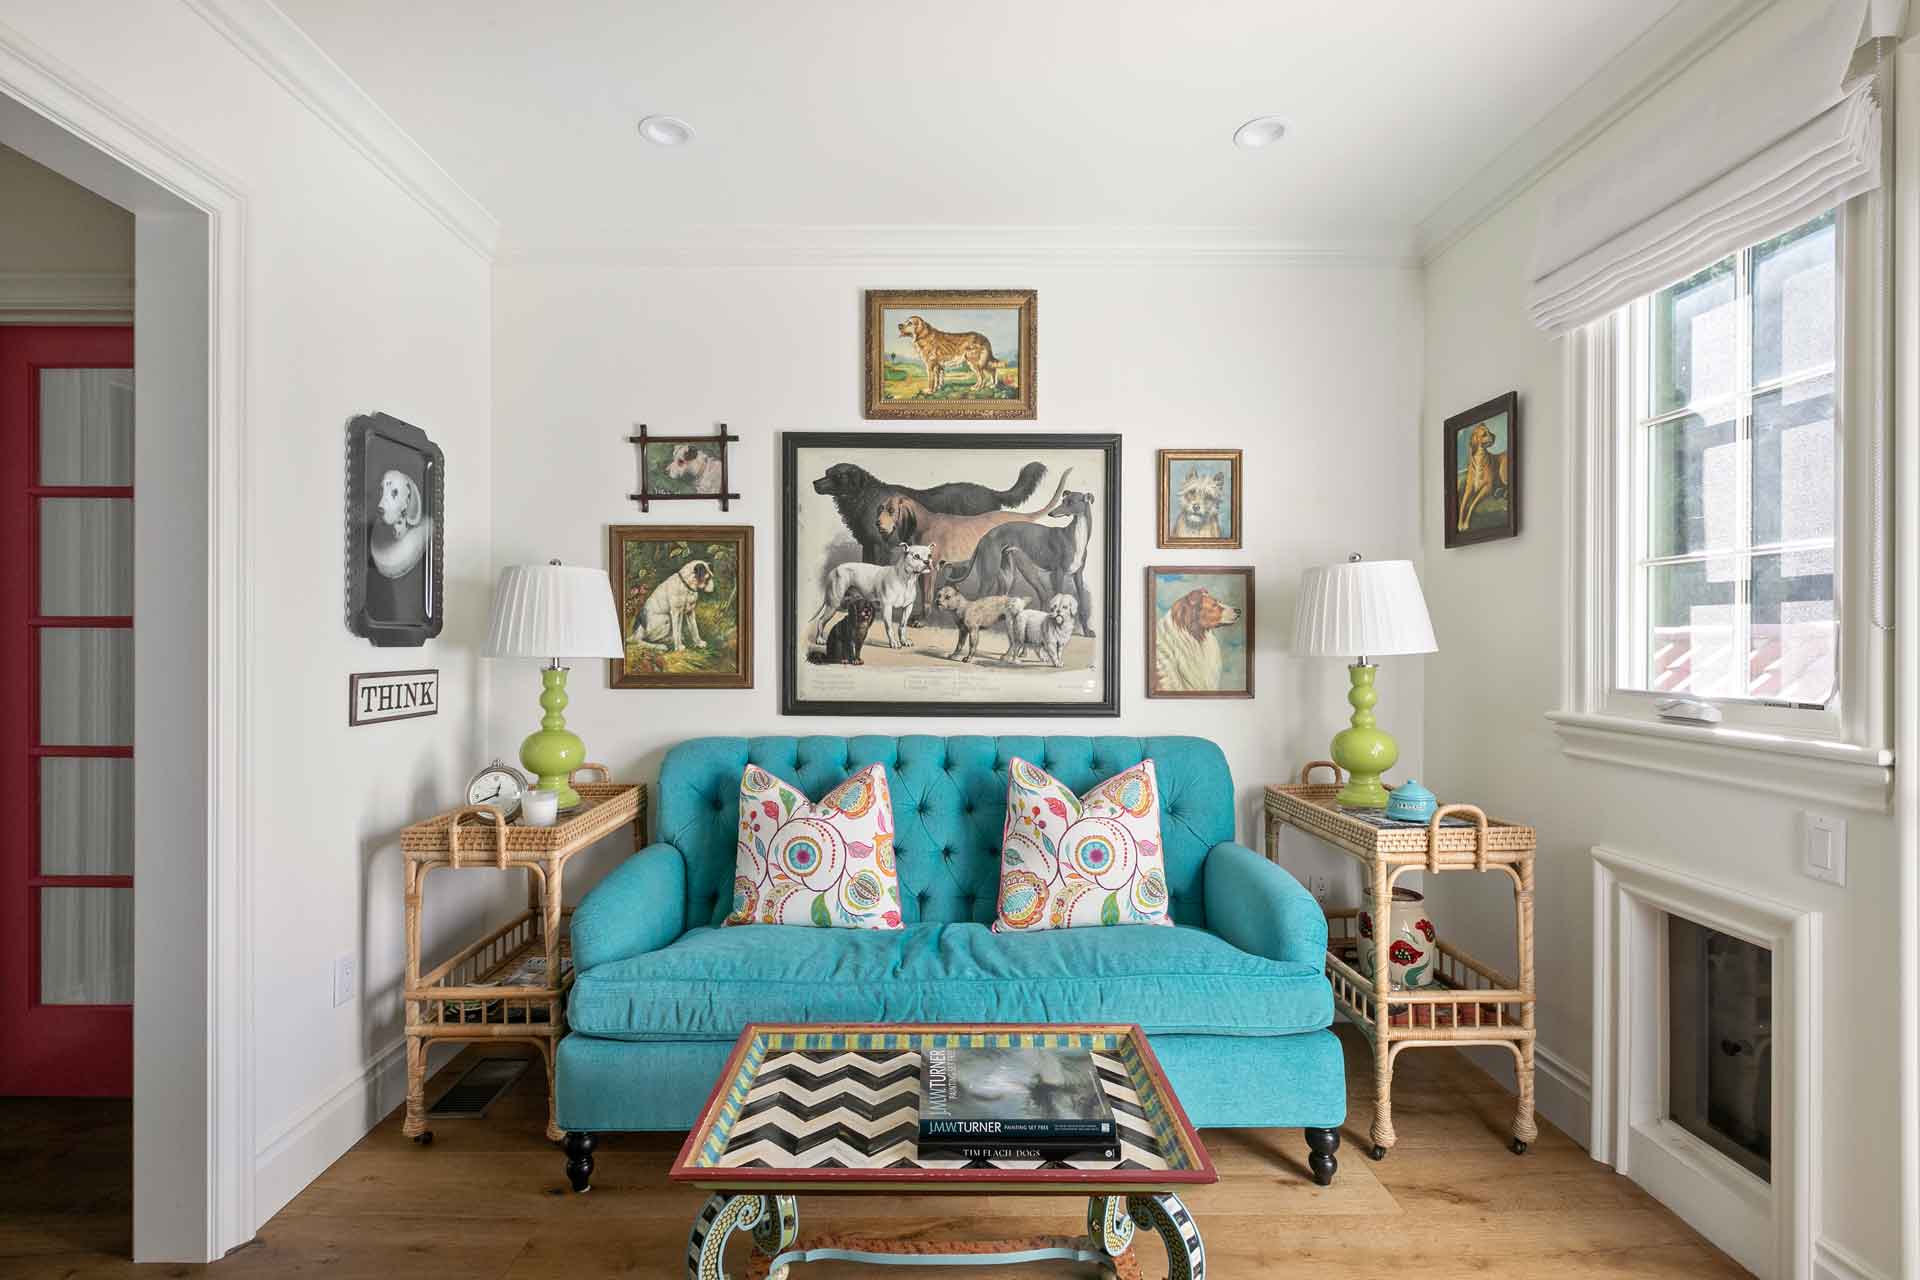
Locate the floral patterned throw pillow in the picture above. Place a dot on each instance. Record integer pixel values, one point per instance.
(1068, 861)
(828, 864)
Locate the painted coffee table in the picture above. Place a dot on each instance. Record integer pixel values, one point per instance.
(802, 1109)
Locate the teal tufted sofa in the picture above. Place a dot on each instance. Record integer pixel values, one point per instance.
(1235, 998)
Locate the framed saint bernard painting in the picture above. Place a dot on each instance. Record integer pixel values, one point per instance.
(950, 575)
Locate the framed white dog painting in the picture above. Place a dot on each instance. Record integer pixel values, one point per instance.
(1200, 631)
(1199, 498)
(686, 606)
(950, 575)
(396, 537)
(951, 353)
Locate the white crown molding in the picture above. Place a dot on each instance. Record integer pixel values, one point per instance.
(261, 31)
(65, 297)
(944, 247)
(1660, 53)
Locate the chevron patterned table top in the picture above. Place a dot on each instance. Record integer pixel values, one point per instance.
(838, 1107)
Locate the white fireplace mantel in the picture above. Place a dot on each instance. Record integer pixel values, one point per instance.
(1769, 1229)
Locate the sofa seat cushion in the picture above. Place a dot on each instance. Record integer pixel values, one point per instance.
(710, 983)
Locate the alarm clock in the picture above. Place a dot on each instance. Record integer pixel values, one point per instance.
(500, 785)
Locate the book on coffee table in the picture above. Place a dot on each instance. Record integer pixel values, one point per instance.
(1031, 1102)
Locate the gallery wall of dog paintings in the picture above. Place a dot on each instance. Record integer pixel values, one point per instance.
(396, 537)
(1200, 631)
(1482, 472)
(685, 594)
(951, 353)
(935, 573)
(1199, 498)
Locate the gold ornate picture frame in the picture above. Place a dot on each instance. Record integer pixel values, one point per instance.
(950, 353)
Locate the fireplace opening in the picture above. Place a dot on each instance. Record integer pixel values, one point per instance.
(1720, 1042)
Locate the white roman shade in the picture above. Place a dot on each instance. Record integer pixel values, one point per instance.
(1762, 133)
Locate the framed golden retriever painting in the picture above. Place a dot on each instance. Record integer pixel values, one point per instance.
(1199, 498)
(1199, 631)
(1482, 464)
(950, 353)
(686, 606)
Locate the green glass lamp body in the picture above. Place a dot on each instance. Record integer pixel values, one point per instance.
(555, 752)
(1364, 750)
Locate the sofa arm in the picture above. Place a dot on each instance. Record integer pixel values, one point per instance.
(641, 906)
(1258, 907)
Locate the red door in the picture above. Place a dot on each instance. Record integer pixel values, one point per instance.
(66, 710)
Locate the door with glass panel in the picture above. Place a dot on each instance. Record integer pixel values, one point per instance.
(66, 710)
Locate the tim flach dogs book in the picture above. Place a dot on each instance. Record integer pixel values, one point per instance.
(999, 1097)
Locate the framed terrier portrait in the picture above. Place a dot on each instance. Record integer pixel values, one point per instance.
(685, 594)
(1200, 498)
(950, 353)
(1481, 464)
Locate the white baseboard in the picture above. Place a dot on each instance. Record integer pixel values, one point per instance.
(1561, 1091)
(305, 1148)
(1831, 1262)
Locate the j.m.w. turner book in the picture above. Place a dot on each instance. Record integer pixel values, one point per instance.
(998, 1097)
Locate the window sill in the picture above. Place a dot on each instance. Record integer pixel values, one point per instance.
(1824, 772)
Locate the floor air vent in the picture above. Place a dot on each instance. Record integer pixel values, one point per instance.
(475, 1091)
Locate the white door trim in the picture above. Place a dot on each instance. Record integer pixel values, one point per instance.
(1629, 1130)
(172, 1222)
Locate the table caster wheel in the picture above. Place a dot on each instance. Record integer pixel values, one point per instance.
(1518, 1147)
(424, 1139)
(1378, 1153)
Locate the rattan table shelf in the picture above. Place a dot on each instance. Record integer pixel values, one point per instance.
(1471, 1002)
(488, 990)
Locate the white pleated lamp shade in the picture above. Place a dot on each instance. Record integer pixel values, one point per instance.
(553, 611)
(1364, 608)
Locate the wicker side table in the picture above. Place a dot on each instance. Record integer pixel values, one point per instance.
(468, 998)
(1471, 1003)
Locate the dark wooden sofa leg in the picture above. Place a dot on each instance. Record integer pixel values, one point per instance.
(1323, 1143)
(580, 1160)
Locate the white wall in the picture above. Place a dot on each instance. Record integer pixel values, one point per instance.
(356, 298)
(1497, 612)
(1312, 370)
(48, 224)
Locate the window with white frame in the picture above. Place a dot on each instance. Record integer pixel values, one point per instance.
(1729, 482)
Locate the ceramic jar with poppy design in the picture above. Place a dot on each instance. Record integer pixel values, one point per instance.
(1411, 940)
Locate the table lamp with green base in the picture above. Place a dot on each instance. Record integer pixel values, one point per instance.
(553, 611)
(1362, 607)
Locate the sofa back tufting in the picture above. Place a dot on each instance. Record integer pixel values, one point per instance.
(949, 801)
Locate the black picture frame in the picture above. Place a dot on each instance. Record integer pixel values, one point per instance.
(404, 609)
(1507, 462)
(1107, 639)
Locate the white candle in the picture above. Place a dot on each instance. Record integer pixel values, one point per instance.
(540, 808)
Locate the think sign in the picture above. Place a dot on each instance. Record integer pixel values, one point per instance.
(376, 696)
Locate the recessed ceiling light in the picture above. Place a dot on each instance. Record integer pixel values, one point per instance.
(666, 131)
(1260, 131)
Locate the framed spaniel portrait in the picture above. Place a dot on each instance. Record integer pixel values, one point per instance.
(1199, 631)
(396, 534)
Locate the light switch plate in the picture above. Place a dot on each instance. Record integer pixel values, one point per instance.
(1823, 851)
(345, 978)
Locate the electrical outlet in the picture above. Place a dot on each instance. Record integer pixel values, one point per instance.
(1320, 887)
(1823, 850)
(346, 978)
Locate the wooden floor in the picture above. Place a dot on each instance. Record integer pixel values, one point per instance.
(487, 1199)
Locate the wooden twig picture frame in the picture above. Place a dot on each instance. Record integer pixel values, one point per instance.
(683, 468)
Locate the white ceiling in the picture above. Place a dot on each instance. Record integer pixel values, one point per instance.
(994, 113)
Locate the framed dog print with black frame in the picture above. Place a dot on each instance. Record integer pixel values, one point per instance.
(951, 353)
(685, 594)
(1200, 498)
(396, 532)
(1200, 631)
(933, 574)
(1481, 458)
